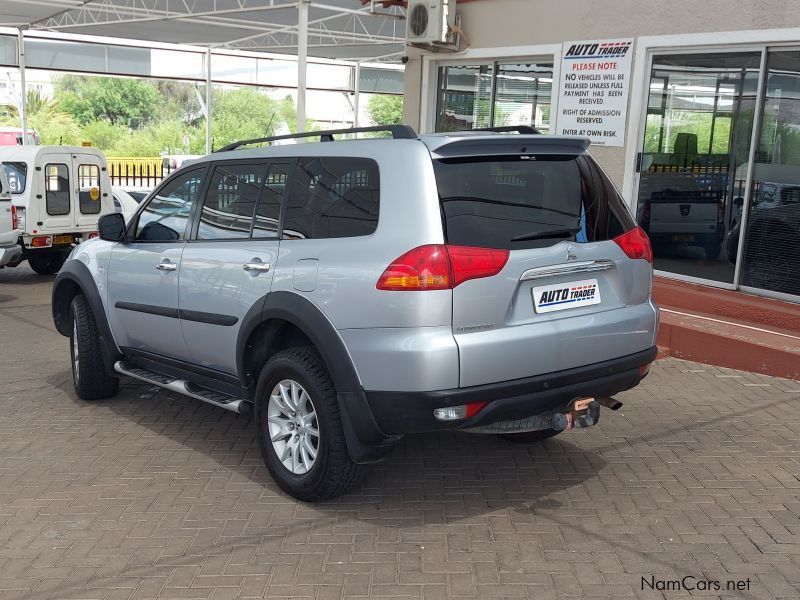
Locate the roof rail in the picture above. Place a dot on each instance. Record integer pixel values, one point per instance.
(521, 129)
(399, 132)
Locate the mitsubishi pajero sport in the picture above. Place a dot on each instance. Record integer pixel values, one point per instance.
(350, 292)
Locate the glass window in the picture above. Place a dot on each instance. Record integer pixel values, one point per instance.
(89, 189)
(522, 95)
(166, 215)
(333, 198)
(772, 239)
(16, 174)
(494, 95)
(56, 184)
(231, 201)
(516, 203)
(465, 97)
(269, 205)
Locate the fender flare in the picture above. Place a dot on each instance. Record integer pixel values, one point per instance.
(303, 314)
(74, 274)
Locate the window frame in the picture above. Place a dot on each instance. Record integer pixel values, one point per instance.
(47, 192)
(289, 162)
(130, 232)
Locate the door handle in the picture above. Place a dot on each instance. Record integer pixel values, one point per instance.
(166, 265)
(256, 267)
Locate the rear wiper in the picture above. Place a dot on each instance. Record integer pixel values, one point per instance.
(546, 234)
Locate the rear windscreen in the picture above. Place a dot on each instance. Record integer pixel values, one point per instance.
(16, 173)
(518, 202)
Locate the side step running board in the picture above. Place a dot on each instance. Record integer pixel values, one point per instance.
(237, 405)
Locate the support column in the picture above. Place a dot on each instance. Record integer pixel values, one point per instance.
(302, 63)
(208, 101)
(23, 94)
(356, 93)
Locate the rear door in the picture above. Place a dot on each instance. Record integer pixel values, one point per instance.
(568, 296)
(90, 191)
(58, 188)
(228, 265)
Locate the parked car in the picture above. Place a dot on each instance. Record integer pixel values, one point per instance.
(9, 248)
(59, 193)
(137, 193)
(124, 203)
(12, 136)
(354, 292)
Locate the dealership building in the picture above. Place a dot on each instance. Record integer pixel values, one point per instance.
(693, 109)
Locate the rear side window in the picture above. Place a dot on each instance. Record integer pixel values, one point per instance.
(16, 174)
(518, 202)
(56, 186)
(231, 201)
(89, 189)
(333, 198)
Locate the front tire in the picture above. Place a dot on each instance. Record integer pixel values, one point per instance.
(300, 429)
(47, 263)
(88, 370)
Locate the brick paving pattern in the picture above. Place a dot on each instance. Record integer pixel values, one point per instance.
(150, 494)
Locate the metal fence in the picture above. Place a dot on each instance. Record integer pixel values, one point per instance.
(138, 171)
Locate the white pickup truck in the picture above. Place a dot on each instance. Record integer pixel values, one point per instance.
(59, 193)
(10, 250)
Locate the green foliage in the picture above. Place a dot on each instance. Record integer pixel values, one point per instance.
(45, 116)
(102, 134)
(385, 110)
(129, 102)
(243, 113)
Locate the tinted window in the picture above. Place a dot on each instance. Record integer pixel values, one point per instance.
(231, 201)
(333, 197)
(56, 185)
(16, 174)
(269, 206)
(89, 189)
(166, 215)
(512, 201)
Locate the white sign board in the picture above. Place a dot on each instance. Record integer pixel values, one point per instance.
(593, 90)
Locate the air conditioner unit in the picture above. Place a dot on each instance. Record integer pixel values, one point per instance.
(429, 21)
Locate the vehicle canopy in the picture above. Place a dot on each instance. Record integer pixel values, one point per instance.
(57, 188)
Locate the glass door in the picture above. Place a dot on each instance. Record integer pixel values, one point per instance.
(693, 164)
(771, 245)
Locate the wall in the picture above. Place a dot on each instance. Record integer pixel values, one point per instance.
(498, 23)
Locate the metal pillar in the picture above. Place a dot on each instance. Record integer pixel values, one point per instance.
(302, 60)
(208, 101)
(356, 92)
(23, 93)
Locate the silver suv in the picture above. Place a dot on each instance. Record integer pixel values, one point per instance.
(354, 291)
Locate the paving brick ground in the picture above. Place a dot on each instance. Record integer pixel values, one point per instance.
(152, 495)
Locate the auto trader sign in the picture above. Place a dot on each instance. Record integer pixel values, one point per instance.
(593, 90)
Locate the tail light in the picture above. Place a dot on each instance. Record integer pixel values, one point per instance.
(635, 244)
(93, 235)
(441, 267)
(14, 218)
(458, 413)
(720, 213)
(42, 241)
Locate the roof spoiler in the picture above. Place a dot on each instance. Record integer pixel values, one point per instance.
(467, 146)
(399, 132)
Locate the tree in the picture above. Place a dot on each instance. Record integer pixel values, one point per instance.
(244, 113)
(385, 110)
(45, 117)
(129, 102)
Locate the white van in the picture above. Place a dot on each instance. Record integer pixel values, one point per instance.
(59, 192)
(9, 248)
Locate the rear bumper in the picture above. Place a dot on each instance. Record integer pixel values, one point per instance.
(397, 413)
(10, 255)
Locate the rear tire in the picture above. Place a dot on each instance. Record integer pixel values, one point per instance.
(47, 263)
(88, 369)
(300, 429)
(530, 437)
(712, 249)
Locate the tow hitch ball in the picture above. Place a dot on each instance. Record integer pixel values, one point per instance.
(583, 415)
